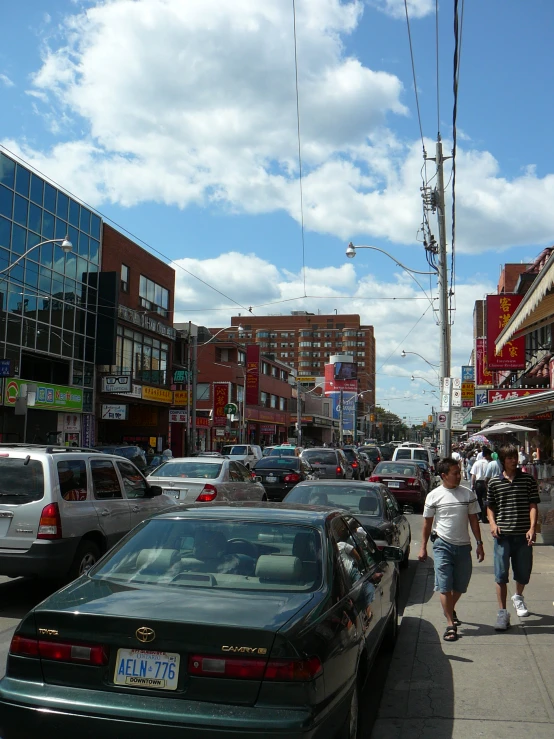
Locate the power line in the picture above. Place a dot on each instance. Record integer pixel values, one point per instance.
(414, 74)
(122, 228)
(458, 29)
(402, 340)
(299, 146)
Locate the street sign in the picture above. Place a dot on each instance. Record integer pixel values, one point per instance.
(468, 373)
(456, 383)
(442, 420)
(446, 384)
(231, 409)
(457, 421)
(445, 401)
(456, 397)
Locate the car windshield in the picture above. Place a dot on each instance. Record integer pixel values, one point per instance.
(204, 470)
(129, 452)
(278, 462)
(223, 554)
(393, 468)
(21, 480)
(358, 499)
(317, 457)
(234, 450)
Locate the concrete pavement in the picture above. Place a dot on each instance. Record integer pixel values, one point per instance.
(487, 684)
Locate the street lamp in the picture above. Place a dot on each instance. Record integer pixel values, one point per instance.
(441, 271)
(418, 377)
(238, 328)
(405, 353)
(65, 244)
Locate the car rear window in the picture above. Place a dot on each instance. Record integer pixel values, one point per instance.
(204, 470)
(357, 499)
(223, 554)
(403, 454)
(278, 462)
(421, 454)
(392, 468)
(21, 480)
(321, 457)
(234, 450)
(350, 455)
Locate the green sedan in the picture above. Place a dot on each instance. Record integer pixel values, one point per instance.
(238, 620)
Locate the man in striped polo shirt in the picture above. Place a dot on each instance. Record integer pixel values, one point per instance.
(512, 499)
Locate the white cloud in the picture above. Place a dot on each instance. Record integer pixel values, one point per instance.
(396, 8)
(6, 81)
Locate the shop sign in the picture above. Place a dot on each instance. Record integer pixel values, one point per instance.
(111, 412)
(468, 373)
(483, 374)
(180, 376)
(140, 319)
(5, 367)
(252, 376)
(69, 422)
(481, 397)
(157, 393)
(500, 309)
(468, 390)
(202, 422)
(497, 395)
(48, 397)
(116, 384)
(135, 392)
(220, 432)
(221, 398)
(176, 416)
(87, 431)
(180, 397)
(268, 428)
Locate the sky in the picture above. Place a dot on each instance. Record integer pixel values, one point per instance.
(177, 120)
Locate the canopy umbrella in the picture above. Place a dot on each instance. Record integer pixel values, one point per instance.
(506, 428)
(479, 439)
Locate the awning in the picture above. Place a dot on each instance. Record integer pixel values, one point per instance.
(535, 310)
(528, 405)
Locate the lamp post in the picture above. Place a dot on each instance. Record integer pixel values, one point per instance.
(433, 366)
(441, 271)
(418, 377)
(65, 244)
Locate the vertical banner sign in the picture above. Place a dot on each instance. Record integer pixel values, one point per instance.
(499, 311)
(252, 391)
(221, 398)
(483, 374)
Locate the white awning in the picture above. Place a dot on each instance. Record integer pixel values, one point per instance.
(535, 310)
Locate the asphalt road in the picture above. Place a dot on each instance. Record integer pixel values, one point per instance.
(18, 596)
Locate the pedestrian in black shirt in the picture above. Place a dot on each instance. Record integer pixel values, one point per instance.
(512, 499)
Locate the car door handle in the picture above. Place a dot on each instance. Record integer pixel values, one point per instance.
(105, 512)
(135, 508)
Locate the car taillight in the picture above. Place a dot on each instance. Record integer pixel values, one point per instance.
(412, 482)
(374, 478)
(339, 470)
(354, 464)
(208, 493)
(380, 544)
(50, 524)
(294, 477)
(90, 654)
(254, 669)
(378, 460)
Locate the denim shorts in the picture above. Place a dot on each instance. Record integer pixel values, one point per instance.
(515, 548)
(452, 566)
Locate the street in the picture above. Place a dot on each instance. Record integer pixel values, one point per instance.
(19, 595)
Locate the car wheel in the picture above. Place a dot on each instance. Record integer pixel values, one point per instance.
(406, 561)
(391, 630)
(350, 727)
(86, 556)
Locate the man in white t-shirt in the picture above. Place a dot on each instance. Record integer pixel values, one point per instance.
(449, 511)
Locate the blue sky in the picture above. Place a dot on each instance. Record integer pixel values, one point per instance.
(178, 121)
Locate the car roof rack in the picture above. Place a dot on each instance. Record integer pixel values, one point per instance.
(48, 448)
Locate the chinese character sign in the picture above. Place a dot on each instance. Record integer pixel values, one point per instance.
(221, 398)
(483, 374)
(252, 378)
(500, 309)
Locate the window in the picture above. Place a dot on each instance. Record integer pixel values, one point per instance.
(282, 404)
(274, 401)
(202, 391)
(134, 483)
(305, 343)
(125, 278)
(104, 480)
(262, 334)
(265, 368)
(142, 355)
(72, 476)
(153, 297)
(284, 335)
(348, 556)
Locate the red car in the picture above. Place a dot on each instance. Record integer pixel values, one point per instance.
(405, 480)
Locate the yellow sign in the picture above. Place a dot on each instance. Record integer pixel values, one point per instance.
(468, 390)
(180, 397)
(306, 379)
(152, 441)
(157, 393)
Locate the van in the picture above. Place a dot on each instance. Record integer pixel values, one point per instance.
(248, 454)
(414, 453)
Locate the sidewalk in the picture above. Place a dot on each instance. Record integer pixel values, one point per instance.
(488, 684)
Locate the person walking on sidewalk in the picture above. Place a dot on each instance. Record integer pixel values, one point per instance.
(512, 500)
(449, 509)
(479, 481)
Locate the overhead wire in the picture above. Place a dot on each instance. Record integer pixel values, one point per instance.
(299, 147)
(458, 31)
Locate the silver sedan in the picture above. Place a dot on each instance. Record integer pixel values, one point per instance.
(204, 479)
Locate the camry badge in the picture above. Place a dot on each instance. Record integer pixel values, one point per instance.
(145, 634)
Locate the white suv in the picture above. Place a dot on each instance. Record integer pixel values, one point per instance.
(248, 454)
(62, 508)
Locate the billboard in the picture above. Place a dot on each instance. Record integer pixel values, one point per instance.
(484, 376)
(499, 311)
(349, 408)
(332, 384)
(252, 377)
(345, 371)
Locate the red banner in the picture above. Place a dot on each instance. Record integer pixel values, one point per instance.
(499, 311)
(496, 395)
(252, 392)
(483, 374)
(332, 385)
(221, 398)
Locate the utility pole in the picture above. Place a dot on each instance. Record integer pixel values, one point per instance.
(444, 317)
(189, 386)
(341, 418)
(194, 383)
(298, 416)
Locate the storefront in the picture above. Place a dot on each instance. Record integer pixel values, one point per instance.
(266, 427)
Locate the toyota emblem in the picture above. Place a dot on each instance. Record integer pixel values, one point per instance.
(145, 634)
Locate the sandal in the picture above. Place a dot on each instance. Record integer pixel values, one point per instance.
(456, 621)
(451, 634)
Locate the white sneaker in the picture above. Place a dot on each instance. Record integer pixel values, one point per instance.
(519, 605)
(502, 620)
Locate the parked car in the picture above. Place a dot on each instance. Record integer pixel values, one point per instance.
(278, 475)
(367, 464)
(136, 454)
(405, 480)
(248, 454)
(205, 479)
(414, 453)
(219, 621)
(373, 452)
(61, 508)
(352, 456)
(373, 504)
(428, 474)
(329, 463)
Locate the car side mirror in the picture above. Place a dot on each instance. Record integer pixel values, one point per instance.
(257, 478)
(392, 554)
(153, 491)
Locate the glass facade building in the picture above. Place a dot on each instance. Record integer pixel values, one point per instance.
(49, 300)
